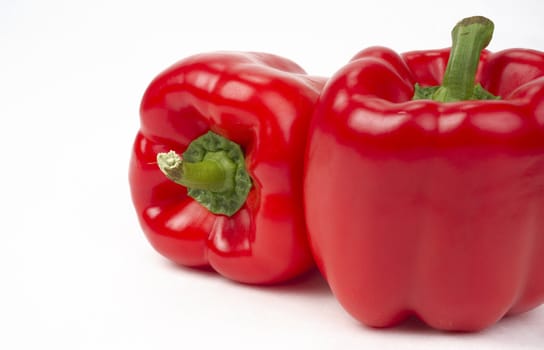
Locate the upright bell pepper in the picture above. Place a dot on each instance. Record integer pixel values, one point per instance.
(424, 183)
(216, 169)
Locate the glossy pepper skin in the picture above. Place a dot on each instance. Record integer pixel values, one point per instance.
(427, 208)
(263, 103)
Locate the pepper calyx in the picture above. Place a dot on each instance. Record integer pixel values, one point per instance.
(213, 170)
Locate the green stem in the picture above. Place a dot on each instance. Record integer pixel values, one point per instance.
(212, 173)
(470, 37)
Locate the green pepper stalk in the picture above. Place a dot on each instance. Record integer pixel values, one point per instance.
(469, 37)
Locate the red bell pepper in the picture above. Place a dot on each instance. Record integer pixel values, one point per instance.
(432, 207)
(233, 200)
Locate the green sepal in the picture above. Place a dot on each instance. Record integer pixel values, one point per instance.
(480, 93)
(424, 93)
(428, 92)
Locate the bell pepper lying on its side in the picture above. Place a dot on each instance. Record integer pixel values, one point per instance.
(228, 132)
(432, 207)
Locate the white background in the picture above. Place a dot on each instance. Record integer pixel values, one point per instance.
(76, 271)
